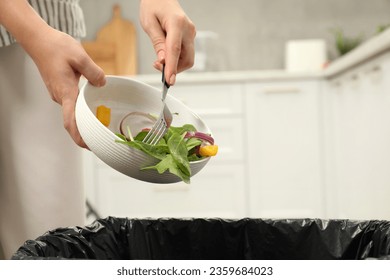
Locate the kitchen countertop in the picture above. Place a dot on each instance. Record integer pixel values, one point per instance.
(368, 50)
(233, 76)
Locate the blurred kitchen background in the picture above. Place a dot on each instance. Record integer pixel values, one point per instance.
(252, 33)
(303, 124)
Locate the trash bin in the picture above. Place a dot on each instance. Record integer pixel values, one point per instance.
(266, 239)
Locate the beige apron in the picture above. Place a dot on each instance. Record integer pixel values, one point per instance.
(40, 166)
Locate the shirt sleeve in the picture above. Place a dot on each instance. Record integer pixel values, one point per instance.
(63, 15)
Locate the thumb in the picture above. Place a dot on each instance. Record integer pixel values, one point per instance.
(92, 72)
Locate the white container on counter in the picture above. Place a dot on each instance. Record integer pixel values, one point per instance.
(305, 55)
(204, 51)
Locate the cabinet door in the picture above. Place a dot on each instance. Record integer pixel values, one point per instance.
(358, 137)
(284, 150)
(215, 192)
(221, 108)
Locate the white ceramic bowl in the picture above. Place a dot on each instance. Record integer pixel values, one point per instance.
(125, 95)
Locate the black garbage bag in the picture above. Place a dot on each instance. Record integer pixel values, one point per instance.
(148, 239)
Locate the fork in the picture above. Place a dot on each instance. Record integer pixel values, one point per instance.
(163, 121)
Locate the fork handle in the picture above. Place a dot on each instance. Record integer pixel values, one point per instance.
(165, 84)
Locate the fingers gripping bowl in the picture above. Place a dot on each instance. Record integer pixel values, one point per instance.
(126, 96)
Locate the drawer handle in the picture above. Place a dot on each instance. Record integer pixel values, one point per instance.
(355, 77)
(173, 188)
(376, 68)
(281, 90)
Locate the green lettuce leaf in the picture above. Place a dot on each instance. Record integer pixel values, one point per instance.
(168, 163)
(174, 151)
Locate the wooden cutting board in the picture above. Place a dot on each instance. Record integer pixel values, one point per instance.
(115, 47)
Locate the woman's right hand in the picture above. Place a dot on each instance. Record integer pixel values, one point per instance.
(172, 34)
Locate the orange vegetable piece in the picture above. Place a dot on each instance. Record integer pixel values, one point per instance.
(103, 114)
(208, 150)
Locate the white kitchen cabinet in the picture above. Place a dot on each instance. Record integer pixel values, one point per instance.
(284, 150)
(216, 192)
(291, 146)
(221, 107)
(357, 122)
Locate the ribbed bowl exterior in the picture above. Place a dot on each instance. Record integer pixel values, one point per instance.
(125, 92)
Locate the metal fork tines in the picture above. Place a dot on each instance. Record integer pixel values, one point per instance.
(160, 127)
(164, 119)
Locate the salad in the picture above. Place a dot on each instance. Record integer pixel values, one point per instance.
(179, 146)
(175, 151)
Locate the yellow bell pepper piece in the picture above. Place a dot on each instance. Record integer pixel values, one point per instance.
(103, 114)
(208, 150)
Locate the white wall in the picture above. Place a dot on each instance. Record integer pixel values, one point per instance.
(253, 32)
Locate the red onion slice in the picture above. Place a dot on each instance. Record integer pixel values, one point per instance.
(200, 135)
(136, 121)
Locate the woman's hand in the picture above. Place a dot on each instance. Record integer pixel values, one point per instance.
(61, 61)
(172, 34)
